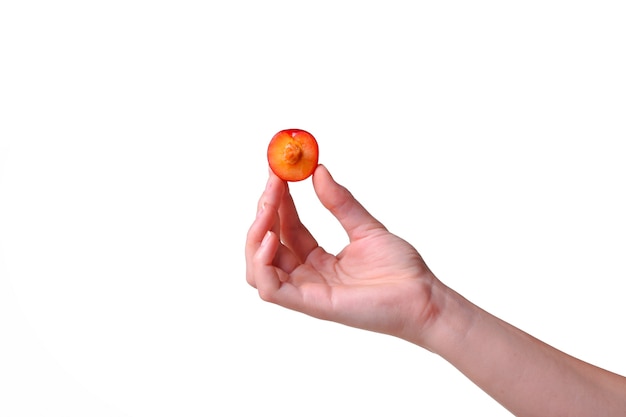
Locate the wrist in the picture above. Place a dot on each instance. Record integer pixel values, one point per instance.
(451, 318)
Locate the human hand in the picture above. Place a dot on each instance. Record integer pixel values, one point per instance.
(378, 282)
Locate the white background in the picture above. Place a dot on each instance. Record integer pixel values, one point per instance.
(133, 135)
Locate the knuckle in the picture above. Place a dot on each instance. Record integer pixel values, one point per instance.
(250, 280)
(266, 295)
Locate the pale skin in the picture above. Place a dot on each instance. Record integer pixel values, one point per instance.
(379, 282)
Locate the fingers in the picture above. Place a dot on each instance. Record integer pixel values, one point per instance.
(268, 261)
(269, 220)
(266, 220)
(267, 278)
(293, 233)
(272, 282)
(355, 220)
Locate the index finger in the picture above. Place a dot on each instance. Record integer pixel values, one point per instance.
(265, 221)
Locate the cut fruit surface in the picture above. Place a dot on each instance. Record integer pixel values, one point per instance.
(293, 154)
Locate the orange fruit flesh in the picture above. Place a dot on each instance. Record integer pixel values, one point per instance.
(293, 154)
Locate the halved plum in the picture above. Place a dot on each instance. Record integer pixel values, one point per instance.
(293, 154)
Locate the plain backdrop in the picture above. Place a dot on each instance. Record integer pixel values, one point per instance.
(133, 135)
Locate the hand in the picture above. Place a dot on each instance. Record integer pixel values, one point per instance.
(378, 282)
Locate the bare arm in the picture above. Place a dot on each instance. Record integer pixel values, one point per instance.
(524, 374)
(379, 282)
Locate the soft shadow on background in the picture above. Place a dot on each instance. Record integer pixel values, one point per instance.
(132, 153)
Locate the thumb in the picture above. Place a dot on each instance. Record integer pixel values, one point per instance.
(352, 216)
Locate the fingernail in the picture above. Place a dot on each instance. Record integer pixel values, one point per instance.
(266, 238)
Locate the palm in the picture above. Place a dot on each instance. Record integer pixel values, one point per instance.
(363, 282)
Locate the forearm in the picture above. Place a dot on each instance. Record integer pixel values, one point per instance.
(527, 376)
